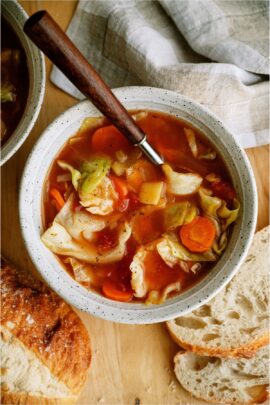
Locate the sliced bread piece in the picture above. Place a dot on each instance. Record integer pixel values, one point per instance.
(45, 348)
(228, 381)
(235, 322)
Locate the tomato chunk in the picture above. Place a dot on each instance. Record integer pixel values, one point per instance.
(223, 190)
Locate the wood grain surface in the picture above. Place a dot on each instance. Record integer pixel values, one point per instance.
(131, 364)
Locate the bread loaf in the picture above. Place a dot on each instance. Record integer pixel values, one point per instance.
(45, 348)
(236, 322)
(220, 380)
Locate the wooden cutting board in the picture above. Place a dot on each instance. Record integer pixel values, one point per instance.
(131, 364)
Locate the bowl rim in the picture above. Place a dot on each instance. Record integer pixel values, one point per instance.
(36, 86)
(75, 294)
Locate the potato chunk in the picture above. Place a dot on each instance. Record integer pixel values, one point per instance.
(150, 192)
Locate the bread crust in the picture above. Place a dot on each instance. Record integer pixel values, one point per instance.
(22, 398)
(263, 398)
(246, 351)
(46, 325)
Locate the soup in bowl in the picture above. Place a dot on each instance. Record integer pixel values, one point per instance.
(22, 80)
(125, 239)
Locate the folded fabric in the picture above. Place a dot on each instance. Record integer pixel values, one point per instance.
(213, 51)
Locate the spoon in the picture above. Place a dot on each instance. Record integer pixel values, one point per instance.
(51, 39)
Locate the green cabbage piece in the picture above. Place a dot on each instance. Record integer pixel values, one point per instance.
(171, 245)
(217, 208)
(7, 92)
(75, 174)
(89, 176)
(179, 214)
(229, 215)
(209, 204)
(220, 245)
(92, 173)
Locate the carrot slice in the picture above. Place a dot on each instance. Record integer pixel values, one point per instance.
(59, 200)
(198, 236)
(109, 140)
(112, 291)
(120, 186)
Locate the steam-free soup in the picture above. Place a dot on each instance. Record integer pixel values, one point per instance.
(14, 81)
(131, 230)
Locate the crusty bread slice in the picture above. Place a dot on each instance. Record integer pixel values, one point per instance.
(228, 381)
(235, 322)
(45, 348)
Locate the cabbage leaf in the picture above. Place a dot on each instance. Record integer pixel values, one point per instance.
(209, 203)
(72, 234)
(178, 214)
(229, 215)
(172, 251)
(181, 183)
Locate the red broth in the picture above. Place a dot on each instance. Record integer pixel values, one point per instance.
(167, 135)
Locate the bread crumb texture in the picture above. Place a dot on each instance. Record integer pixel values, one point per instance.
(220, 380)
(235, 322)
(45, 346)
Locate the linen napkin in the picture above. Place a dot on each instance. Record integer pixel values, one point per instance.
(213, 51)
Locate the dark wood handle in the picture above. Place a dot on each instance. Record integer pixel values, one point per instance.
(51, 39)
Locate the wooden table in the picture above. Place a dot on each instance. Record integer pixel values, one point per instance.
(130, 363)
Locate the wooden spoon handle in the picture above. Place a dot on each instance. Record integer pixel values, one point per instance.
(50, 38)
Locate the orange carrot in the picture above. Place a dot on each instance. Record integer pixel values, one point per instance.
(120, 186)
(110, 290)
(109, 140)
(198, 236)
(59, 200)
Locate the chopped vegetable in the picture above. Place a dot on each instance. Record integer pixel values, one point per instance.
(113, 291)
(102, 199)
(118, 168)
(150, 192)
(178, 214)
(229, 215)
(209, 155)
(92, 173)
(91, 122)
(172, 252)
(220, 245)
(109, 140)
(223, 190)
(7, 92)
(209, 204)
(59, 200)
(212, 178)
(138, 282)
(63, 177)
(181, 183)
(120, 186)
(158, 297)
(139, 115)
(75, 174)
(121, 156)
(141, 171)
(198, 236)
(191, 138)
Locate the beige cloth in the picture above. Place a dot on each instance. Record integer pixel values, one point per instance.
(213, 51)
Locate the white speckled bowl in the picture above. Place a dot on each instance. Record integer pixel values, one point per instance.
(52, 141)
(15, 15)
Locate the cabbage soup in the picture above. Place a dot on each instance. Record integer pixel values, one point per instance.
(128, 229)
